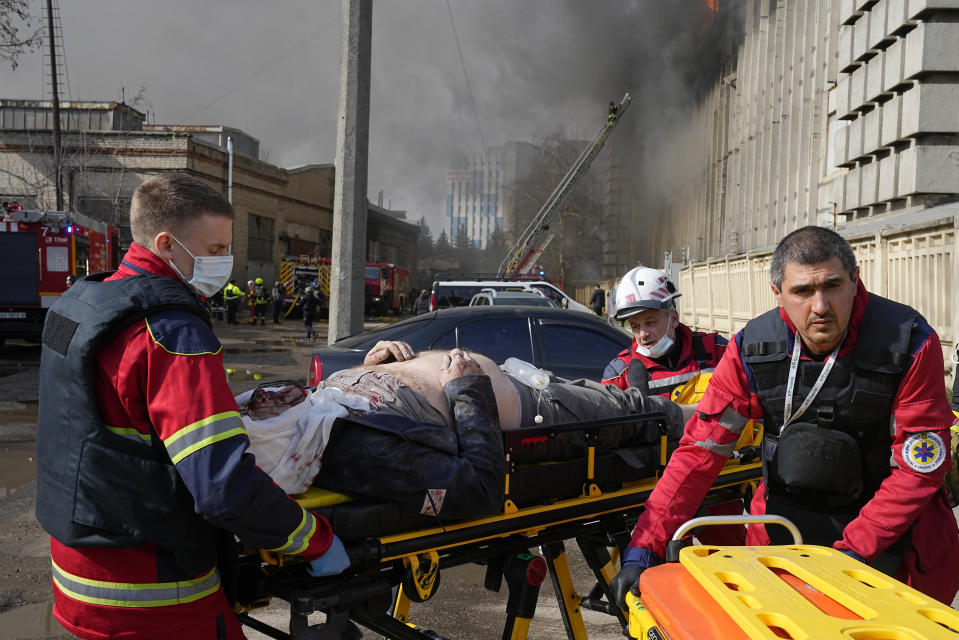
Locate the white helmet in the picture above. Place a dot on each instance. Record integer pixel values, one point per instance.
(643, 288)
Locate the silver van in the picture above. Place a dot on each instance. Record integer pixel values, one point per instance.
(458, 293)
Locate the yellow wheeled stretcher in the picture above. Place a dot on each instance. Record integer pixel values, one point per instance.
(521, 544)
(796, 592)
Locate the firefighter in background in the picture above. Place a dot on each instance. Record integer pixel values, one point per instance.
(232, 295)
(143, 474)
(309, 305)
(258, 302)
(613, 112)
(598, 300)
(664, 353)
(277, 294)
(250, 285)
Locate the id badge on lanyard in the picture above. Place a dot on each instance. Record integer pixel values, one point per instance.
(788, 416)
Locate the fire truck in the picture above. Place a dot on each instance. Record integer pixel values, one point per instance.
(38, 251)
(385, 289)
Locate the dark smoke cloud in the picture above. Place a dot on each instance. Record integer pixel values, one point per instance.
(534, 65)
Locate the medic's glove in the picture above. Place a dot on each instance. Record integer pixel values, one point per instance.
(332, 562)
(626, 580)
(635, 561)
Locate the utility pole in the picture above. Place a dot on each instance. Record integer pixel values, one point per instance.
(349, 190)
(57, 151)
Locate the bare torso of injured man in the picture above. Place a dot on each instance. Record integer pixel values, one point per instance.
(423, 429)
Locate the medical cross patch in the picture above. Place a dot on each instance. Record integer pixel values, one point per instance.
(924, 451)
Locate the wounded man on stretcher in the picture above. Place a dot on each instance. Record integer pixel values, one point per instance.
(423, 430)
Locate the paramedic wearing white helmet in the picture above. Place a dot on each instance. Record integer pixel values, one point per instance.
(664, 353)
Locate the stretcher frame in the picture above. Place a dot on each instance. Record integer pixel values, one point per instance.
(389, 573)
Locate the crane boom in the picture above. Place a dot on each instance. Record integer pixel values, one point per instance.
(537, 236)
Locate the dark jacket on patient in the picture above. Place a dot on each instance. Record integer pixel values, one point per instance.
(456, 472)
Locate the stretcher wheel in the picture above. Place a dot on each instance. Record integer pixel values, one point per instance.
(428, 585)
(421, 580)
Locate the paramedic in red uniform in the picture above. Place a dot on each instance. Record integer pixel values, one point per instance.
(665, 353)
(850, 387)
(143, 475)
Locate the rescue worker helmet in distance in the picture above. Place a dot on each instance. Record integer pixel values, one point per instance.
(644, 288)
(259, 281)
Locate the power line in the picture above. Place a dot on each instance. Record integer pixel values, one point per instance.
(260, 71)
(469, 89)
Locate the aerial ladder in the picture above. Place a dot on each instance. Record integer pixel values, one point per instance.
(522, 255)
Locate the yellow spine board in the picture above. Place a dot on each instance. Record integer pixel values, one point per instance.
(641, 621)
(765, 606)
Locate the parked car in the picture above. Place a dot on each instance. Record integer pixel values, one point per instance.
(570, 344)
(447, 293)
(488, 297)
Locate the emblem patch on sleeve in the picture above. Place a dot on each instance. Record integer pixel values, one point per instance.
(924, 451)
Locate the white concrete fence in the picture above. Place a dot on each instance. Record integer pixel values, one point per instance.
(913, 265)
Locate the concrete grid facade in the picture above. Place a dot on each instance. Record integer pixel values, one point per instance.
(896, 96)
(829, 111)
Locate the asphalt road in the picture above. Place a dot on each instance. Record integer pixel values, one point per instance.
(462, 608)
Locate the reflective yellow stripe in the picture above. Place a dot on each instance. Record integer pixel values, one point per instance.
(177, 353)
(199, 424)
(300, 538)
(203, 433)
(207, 442)
(128, 432)
(127, 594)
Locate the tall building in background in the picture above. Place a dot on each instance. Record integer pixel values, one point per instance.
(473, 195)
(487, 192)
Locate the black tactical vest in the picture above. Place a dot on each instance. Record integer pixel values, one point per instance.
(856, 398)
(96, 488)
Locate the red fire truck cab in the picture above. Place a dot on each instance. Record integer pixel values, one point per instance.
(38, 250)
(386, 288)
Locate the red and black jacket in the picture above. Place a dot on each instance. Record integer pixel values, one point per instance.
(698, 352)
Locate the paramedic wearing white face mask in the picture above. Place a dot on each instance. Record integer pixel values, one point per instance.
(665, 353)
(136, 361)
(212, 262)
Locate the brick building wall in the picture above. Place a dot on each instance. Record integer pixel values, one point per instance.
(278, 211)
(102, 169)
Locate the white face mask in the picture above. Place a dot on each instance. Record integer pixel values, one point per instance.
(210, 273)
(661, 348)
